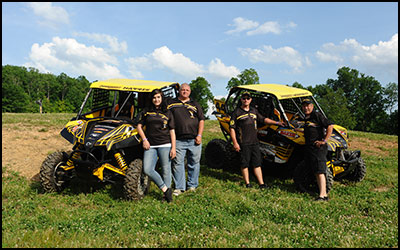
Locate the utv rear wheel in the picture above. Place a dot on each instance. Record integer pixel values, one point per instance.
(52, 177)
(305, 180)
(216, 153)
(136, 183)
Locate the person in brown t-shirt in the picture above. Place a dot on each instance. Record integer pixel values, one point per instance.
(243, 131)
(315, 148)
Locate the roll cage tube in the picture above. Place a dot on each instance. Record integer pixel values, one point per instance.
(114, 104)
(123, 104)
(83, 104)
(319, 108)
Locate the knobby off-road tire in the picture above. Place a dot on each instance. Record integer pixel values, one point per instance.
(136, 183)
(50, 174)
(217, 154)
(358, 173)
(305, 180)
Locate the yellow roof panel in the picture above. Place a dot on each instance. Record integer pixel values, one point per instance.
(130, 85)
(279, 90)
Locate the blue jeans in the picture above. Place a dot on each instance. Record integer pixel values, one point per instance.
(193, 162)
(149, 165)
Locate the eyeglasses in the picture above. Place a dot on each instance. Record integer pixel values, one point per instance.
(246, 98)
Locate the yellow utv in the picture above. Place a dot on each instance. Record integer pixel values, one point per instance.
(281, 146)
(106, 145)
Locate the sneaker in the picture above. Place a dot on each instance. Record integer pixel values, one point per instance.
(326, 198)
(191, 189)
(263, 186)
(168, 195)
(249, 185)
(177, 192)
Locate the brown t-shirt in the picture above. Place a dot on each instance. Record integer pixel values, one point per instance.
(245, 125)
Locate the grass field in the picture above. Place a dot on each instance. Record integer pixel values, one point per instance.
(220, 213)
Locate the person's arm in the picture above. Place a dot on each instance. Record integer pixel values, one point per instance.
(273, 122)
(172, 153)
(200, 132)
(329, 131)
(146, 143)
(234, 141)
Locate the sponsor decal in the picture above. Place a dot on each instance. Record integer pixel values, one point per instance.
(75, 128)
(288, 133)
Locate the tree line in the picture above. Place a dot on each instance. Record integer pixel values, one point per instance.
(24, 89)
(353, 100)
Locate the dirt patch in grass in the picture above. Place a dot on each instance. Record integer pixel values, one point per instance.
(372, 147)
(24, 148)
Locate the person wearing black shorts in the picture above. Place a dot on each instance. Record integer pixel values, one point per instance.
(315, 149)
(243, 131)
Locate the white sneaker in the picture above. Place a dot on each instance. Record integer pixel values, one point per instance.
(177, 192)
(191, 189)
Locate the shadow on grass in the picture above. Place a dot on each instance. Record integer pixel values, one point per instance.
(273, 177)
(81, 186)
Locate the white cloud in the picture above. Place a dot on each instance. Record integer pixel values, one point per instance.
(241, 24)
(254, 28)
(115, 46)
(178, 63)
(377, 58)
(137, 63)
(69, 56)
(218, 69)
(50, 15)
(270, 55)
(268, 27)
(326, 57)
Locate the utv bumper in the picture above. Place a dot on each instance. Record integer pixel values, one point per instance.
(346, 166)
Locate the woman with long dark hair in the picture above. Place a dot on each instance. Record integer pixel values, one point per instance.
(158, 141)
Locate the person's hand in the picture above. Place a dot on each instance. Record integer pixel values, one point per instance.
(319, 143)
(236, 146)
(146, 144)
(280, 123)
(198, 140)
(172, 153)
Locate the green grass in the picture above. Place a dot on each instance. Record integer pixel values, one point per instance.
(36, 119)
(221, 213)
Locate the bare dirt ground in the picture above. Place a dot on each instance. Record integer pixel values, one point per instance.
(24, 149)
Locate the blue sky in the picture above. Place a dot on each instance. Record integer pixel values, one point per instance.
(284, 42)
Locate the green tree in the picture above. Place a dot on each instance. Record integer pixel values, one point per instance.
(364, 95)
(391, 95)
(334, 104)
(13, 98)
(246, 77)
(201, 92)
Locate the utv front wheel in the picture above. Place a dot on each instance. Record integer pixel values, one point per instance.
(305, 180)
(358, 172)
(52, 177)
(136, 183)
